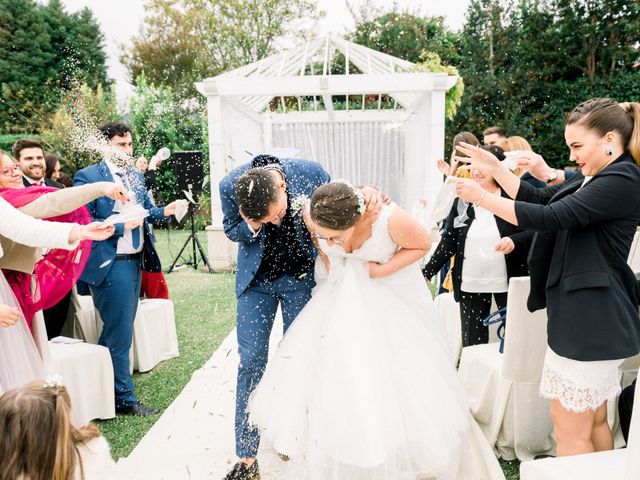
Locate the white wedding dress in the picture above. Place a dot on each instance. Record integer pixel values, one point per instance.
(20, 362)
(362, 388)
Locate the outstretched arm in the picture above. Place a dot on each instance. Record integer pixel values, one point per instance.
(410, 236)
(66, 200)
(28, 231)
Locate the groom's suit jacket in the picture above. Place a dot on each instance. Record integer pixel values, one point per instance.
(97, 269)
(302, 178)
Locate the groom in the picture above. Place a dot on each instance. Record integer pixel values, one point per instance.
(275, 267)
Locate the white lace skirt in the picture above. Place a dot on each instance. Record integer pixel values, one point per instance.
(579, 386)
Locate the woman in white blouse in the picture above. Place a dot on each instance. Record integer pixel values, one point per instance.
(488, 251)
(19, 359)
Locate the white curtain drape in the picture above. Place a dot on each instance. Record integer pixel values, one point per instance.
(365, 153)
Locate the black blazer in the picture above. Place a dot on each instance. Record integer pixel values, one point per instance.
(47, 181)
(578, 261)
(454, 239)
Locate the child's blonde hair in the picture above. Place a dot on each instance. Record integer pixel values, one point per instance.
(37, 440)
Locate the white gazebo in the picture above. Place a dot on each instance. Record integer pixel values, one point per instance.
(375, 122)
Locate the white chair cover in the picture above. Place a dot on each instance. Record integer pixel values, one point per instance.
(154, 334)
(621, 464)
(503, 388)
(83, 321)
(154, 330)
(86, 370)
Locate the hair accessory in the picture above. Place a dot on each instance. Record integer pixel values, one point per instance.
(609, 150)
(53, 381)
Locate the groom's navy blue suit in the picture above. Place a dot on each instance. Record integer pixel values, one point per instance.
(262, 284)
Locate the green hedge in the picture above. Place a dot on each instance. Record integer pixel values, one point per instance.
(7, 140)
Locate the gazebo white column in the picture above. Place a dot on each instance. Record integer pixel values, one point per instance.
(221, 251)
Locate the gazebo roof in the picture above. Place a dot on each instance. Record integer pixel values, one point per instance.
(305, 70)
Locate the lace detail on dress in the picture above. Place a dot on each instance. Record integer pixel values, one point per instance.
(579, 386)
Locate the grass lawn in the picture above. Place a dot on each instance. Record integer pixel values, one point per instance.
(205, 314)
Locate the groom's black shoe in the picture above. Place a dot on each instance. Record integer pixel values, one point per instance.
(240, 471)
(137, 409)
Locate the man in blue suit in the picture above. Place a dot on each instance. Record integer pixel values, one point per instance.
(113, 268)
(275, 267)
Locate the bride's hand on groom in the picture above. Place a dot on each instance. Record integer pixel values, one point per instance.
(374, 200)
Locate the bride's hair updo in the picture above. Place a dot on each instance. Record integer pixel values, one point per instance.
(335, 205)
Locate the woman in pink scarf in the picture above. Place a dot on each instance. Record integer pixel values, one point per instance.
(56, 273)
(19, 359)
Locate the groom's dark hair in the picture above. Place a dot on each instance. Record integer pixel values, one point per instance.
(255, 191)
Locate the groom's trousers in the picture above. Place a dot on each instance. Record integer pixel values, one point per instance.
(256, 312)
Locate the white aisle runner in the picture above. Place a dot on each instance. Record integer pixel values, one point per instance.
(194, 438)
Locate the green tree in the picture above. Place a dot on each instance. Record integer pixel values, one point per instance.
(184, 41)
(44, 51)
(24, 61)
(526, 63)
(407, 36)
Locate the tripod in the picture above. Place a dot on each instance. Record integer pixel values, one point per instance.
(193, 238)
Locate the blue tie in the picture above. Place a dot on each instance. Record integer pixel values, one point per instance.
(135, 237)
(135, 233)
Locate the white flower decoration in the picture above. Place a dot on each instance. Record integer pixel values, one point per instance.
(53, 381)
(299, 203)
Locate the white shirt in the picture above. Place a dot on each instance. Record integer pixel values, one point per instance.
(35, 182)
(125, 243)
(484, 270)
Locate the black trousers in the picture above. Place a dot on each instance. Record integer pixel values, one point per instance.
(625, 409)
(475, 307)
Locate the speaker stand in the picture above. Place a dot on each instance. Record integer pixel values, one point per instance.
(196, 247)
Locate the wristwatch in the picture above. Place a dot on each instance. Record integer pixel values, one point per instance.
(552, 175)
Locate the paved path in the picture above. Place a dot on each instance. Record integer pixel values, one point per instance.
(194, 438)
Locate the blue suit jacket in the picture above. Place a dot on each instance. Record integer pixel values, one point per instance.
(102, 208)
(302, 178)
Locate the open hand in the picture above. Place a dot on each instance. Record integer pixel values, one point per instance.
(8, 315)
(94, 231)
(481, 159)
(447, 169)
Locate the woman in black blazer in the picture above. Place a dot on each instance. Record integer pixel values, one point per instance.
(578, 264)
(498, 248)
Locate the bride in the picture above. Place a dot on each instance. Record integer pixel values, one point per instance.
(361, 386)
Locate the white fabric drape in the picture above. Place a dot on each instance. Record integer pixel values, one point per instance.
(362, 152)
